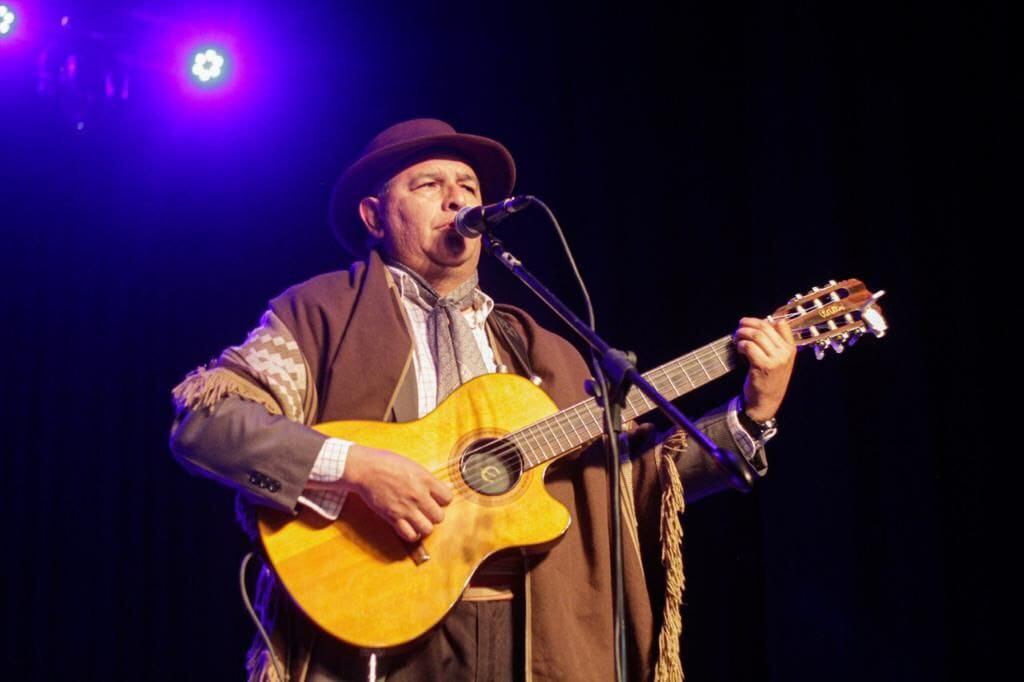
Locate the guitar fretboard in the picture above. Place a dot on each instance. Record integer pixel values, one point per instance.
(572, 427)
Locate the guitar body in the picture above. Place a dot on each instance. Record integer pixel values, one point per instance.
(359, 581)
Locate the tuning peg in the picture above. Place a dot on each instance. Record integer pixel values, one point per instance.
(873, 317)
(855, 337)
(819, 350)
(837, 343)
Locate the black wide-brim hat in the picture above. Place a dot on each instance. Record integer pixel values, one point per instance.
(400, 146)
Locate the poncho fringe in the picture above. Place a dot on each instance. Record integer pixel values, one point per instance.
(670, 667)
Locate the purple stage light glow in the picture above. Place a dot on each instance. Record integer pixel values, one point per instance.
(7, 17)
(208, 66)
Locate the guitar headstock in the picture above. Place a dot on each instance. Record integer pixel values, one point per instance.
(833, 316)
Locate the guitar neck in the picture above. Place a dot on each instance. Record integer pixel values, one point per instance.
(572, 427)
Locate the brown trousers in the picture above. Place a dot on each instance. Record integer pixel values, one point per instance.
(478, 641)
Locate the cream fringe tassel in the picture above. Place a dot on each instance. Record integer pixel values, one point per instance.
(204, 388)
(670, 667)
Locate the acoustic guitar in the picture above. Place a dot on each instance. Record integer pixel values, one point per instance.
(492, 441)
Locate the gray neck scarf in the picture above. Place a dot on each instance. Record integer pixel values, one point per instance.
(457, 357)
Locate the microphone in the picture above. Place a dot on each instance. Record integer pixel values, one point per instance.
(471, 221)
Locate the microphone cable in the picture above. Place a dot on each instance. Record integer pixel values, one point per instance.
(614, 494)
(255, 618)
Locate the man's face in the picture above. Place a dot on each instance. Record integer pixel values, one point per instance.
(413, 218)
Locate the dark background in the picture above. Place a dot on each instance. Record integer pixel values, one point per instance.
(708, 160)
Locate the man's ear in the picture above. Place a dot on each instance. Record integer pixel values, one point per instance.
(369, 211)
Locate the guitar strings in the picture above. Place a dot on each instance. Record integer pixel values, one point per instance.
(545, 433)
(507, 452)
(546, 427)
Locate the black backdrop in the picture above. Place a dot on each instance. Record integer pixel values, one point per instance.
(709, 160)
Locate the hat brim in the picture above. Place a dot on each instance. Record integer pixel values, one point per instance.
(491, 161)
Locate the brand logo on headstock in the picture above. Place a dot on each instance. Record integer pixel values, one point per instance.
(830, 311)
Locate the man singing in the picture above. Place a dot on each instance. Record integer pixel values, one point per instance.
(390, 338)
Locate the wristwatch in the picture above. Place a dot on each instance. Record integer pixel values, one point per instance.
(762, 432)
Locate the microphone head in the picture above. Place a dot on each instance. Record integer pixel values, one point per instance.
(469, 221)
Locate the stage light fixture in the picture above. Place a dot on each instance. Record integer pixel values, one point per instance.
(208, 65)
(7, 18)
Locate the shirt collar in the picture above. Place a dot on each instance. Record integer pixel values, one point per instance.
(482, 303)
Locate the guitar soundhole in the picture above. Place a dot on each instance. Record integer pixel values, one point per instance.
(491, 466)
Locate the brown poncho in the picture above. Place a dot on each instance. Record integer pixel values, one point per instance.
(350, 335)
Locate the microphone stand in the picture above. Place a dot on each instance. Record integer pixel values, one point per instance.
(621, 371)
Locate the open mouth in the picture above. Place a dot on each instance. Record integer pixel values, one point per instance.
(454, 241)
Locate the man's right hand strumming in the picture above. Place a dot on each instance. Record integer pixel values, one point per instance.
(400, 490)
